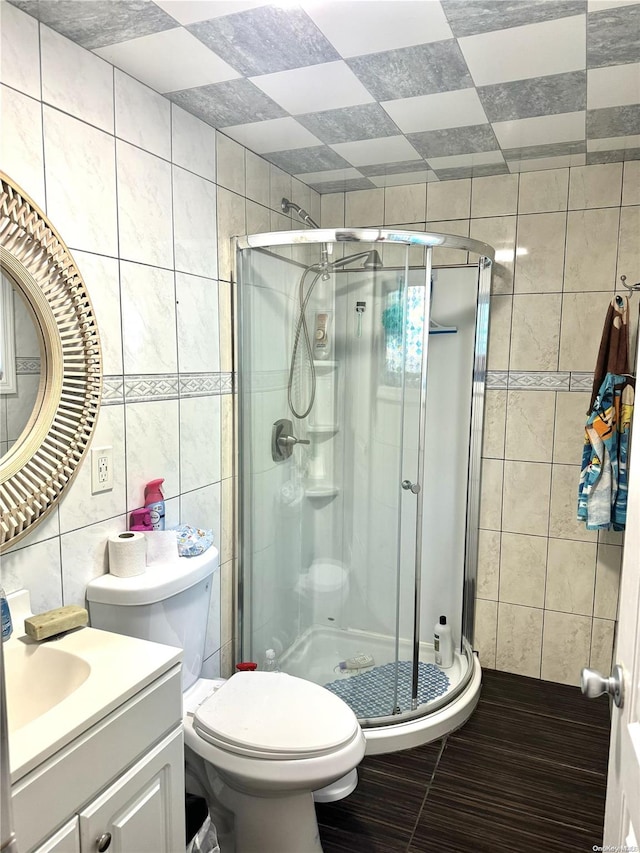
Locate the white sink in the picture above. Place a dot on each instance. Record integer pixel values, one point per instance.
(37, 677)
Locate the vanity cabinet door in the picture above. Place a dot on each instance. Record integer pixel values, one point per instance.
(65, 840)
(143, 812)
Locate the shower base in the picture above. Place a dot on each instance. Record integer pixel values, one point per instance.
(317, 653)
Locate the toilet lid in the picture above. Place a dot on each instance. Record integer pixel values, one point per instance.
(274, 715)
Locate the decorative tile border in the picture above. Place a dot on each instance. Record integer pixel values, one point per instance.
(581, 381)
(497, 380)
(538, 380)
(26, 365)
(205, 384)
(144, 388)
(112, 390)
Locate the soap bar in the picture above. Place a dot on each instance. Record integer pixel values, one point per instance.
(55, 622)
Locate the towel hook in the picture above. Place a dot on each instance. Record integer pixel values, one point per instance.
(631, 287)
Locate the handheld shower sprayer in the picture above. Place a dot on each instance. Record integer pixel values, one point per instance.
(287, 205)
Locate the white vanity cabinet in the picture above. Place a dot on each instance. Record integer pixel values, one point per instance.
(118, 788)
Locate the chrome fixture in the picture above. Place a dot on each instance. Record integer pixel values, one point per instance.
(408, 486)
(593, 684)
(287, 205)
(283, 440)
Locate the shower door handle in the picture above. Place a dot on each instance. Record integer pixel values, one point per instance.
(283, 441)
(408, 486)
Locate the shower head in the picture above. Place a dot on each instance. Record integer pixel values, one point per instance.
(372, 262)
(287, 205)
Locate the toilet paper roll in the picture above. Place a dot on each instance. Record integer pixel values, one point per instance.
(162, 546)
(127, 554)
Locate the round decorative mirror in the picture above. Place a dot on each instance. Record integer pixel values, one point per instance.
(50, 365)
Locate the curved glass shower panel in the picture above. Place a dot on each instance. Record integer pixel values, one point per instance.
(321, 467)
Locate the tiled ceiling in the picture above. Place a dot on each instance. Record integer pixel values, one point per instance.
(353, 94)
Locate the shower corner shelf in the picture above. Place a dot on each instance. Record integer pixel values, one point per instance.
(327, 429)
(322, 490)
(320, 362)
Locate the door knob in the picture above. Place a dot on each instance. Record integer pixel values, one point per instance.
(593, 684)
(408, 486)
(103, 842)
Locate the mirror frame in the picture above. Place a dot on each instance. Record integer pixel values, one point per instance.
(41, 465)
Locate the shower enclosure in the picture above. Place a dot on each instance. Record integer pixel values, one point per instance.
(361, 373)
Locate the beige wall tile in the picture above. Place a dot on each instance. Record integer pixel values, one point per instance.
(449, 200)
(257, 176)
(541, 239)
(227, 540)
(456, 227)
(568, 438)
(543, 191)
(595, 186)
(227, 660)
(499, 332)
(631, 182)
(226, 330)
(279, 188)
(499, 232)
(535, 336)
(227, 438)
(529, 433)
(495, 409)
(484, 640)
(523, 563)
(526, 498)
(629, 246)
(571, 571)
(583, 316)
(226, 602)
(230, 168)
(608, 568)
(231, 223)
(406, 203)
(590, 259)
(332, 210)
(602, 638)
(488, 564)
(491, 494)
(519, 639)
(496, 195)
(364, 207)
(566, 646)
(563, 522)
(258, 218)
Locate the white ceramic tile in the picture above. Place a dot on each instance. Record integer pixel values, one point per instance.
(227, 436)
(449, 200)
(535, 336)
(563, 523)
(578, 341)
(231, 223)
(500, 233)
(21, 142)
(543, 191)
(81, 186)
(631, 183)
(571, 572)
(194, 143)
(143, 117)
(543, 163)
(148, 319)
(523, 562)
(168, 61)
(197, 341)
(366, 152)
(85, 556)
(486, 623)
(191, 11)
(328, 86)
(608, 569)
(571, 413)
(540, 253)
(79, 507)
(495, 195)
(151, 459)
(230, 158)
(212, 641)
(499, 332)
(613, 86)
(364, 207)
(227, 533)
(144, 207)
(102, 278)
(488, 564)
(491, 494)
(199, 442)
(459, 161)
(19, 51)
(400, 178)
(226, 326)
(459, 108)
(276, 134)
(540, 130)
(201, 508)
(194, 224)
(566, 647)
(75, 80)
(519, 640)
(595, 186)
(614, 143)
(356, 28)
(526, 498)
(226, 602)
(533, 50)
(590, 258)
(36, 568)
(530, 418)
(257, 178)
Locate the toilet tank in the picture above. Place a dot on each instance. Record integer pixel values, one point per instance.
(169, 603)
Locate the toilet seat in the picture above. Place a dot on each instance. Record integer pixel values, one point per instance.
(274, 716)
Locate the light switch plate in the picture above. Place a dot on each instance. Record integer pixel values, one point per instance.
(101, 469)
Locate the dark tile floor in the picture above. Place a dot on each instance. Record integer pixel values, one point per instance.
(526, 773)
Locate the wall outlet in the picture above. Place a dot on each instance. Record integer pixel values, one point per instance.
(101, 469)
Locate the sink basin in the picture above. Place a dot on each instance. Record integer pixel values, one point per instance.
(39, 676)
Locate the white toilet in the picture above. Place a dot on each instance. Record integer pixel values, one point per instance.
(258, 744)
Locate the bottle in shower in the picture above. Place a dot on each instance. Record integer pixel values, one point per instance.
(443, 644)
(271, 661)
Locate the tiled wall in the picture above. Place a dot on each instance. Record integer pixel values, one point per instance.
(146, 197)
(547, 587)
